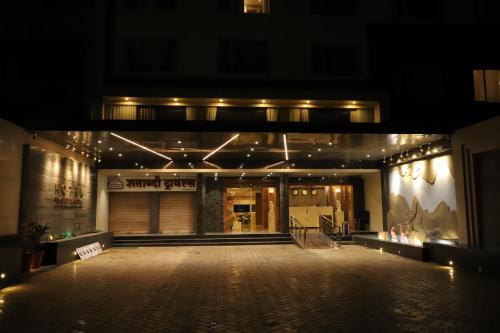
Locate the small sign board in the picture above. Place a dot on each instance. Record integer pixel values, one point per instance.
(89, 251)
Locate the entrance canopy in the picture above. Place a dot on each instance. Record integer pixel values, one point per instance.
(249, 152)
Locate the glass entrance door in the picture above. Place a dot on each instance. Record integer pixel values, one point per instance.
(250, 209)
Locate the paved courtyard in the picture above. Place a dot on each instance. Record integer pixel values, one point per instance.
(268, 288)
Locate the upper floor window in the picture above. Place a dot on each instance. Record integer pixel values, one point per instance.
(149, 4)
(487, 85)
(256, 6)
(420, 9)
(336, 60)
(488, 10)
(243, 56)
(334, 7)
(148, 54)
(245, 6)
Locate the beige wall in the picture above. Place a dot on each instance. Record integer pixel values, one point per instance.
(478, 138)
(373, 200)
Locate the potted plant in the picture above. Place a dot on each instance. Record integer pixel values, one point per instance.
(30, 235)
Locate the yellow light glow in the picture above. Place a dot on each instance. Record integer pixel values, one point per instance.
(271, 190)
(74, 253)
(263, 101)
(450, 263)
(126, 98)
(221, 100)
(308, 102)
(176, 99)
(2, 276)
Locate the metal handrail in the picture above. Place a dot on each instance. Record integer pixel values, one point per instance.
(298, 231)
(329, 229)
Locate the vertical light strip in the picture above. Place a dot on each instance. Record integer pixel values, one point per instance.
(286, 147)
(221, 146)
(140, 146)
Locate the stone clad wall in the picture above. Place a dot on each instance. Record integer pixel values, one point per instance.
(58, 191)
(214, 205)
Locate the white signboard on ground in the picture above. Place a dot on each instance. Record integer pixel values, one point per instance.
(151, 184)
(89, 251)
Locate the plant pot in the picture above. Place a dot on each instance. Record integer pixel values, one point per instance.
(36, 259)
(26, 262)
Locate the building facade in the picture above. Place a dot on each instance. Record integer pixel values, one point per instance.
(226, 116)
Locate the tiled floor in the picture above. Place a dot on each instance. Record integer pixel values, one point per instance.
(266, 288)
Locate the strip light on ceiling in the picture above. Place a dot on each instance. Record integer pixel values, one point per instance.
(168, 164)
(286, 147)
(140, 146)
(273, 165)
(212, 164)
(221, 146)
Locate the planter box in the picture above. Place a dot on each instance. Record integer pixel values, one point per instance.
(62, 251)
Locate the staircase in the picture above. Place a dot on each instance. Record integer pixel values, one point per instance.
(200, 240)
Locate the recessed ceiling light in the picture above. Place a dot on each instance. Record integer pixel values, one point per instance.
(383, 150)
(256, 142)
(110, 148)
(329, 143)
(179, 142)
(308, 174)
(185, 155)
(120, 155)
(251, 149)
(309, 155)
(319, 149)
(248, 155)
(147, 174)
(368, 155)
(119, 175)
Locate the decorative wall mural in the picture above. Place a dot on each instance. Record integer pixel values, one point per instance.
(422, 203)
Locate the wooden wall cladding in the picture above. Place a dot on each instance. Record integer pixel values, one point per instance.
(129, 213)
(177, 213)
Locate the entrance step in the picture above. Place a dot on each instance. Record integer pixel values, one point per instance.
(199, 240)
